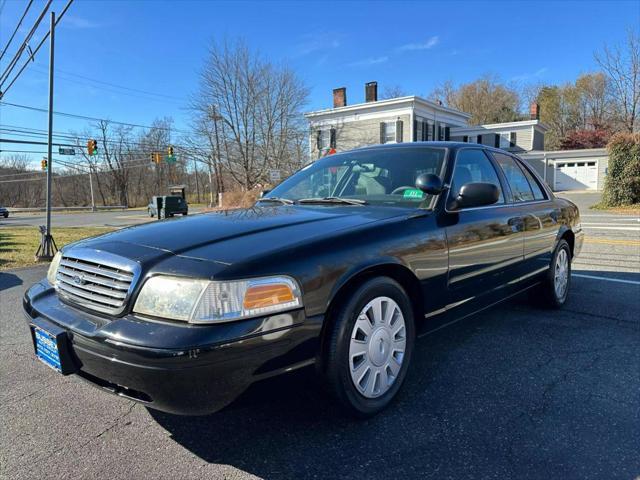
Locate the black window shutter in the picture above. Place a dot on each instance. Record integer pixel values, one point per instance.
(447, 133)
(332, 141)
(512, 139)
(399, 131)
(480, 139)
(496, 140)
(433, 132)
(425, 131)
(383, 130)
(415, 130)
(465, 139)
(319, 139)
(439, 132)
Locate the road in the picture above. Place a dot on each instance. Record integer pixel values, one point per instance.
(513, 392)
(115, 218)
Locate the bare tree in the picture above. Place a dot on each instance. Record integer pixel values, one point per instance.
(393, 91)
(621, 64)
(248, 110)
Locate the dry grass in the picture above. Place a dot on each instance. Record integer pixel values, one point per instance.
(18, 245)
(628, 209)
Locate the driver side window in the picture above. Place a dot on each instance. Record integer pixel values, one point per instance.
(472, 166)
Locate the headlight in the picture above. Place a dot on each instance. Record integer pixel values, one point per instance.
(53, 269)
(203, 301)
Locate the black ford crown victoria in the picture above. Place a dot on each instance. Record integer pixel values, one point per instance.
(342, 265)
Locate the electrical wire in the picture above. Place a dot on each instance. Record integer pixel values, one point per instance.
(33, 53)
(4, 50)
(93, 119)
(23, 45)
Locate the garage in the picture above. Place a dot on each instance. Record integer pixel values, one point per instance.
(576, 175)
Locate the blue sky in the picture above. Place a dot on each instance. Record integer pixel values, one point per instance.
(158, 47)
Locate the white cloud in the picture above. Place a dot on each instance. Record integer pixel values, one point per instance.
(430, 43)
(369, 61)
(317, 43)
(529, 75)
(72, 21)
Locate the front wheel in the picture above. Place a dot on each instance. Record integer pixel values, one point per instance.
(555, 287)
(370, 346)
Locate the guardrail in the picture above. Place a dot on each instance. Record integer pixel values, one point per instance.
(62, 209)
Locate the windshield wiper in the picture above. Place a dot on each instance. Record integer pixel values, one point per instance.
(284, 201)
(348, 201)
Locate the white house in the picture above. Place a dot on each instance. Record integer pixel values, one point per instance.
(412, 118)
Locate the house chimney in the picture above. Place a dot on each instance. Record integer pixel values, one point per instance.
(371, 92)
(534, 111)
(339, 97)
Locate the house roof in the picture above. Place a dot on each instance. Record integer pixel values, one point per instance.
(391, 102)
(500, 126)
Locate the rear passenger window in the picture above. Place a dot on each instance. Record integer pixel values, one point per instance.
(538, 194)
(519, 184)
(472, 166)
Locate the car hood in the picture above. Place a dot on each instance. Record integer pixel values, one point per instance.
(234, 235)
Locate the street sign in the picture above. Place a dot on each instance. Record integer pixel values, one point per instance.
(66, 151)
(274, 176)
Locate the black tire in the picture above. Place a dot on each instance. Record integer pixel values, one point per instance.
(337, 362)
(150, 212)
(547, 294)
(6, 215)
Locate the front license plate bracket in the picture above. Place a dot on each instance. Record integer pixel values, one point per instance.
(52, 346)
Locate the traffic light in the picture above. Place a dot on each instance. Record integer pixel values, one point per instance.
(44, 164)
(92, 147)
(170, 150)
(156, 157)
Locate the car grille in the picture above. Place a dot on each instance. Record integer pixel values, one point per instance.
(95, 284)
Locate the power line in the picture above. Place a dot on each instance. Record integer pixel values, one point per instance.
(23, 45)
(109, 84)
(93, 119)
(16, 29)
(33, 53)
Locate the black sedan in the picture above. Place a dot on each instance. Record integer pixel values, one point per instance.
(4, 212)
(341, 266)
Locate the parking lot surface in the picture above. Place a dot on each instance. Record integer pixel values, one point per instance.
(115, 218)
(513, 392)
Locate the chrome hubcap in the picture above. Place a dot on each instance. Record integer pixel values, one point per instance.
(377, 347)
(561, 275)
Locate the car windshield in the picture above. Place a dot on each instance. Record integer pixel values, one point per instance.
(385, 176)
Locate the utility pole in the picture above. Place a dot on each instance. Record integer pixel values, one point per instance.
(93, 203)
(48, 247)
(195, 167)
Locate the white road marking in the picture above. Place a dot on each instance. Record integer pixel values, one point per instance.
(632, 229)
(621, 217)
(606, 279)
(611, 224)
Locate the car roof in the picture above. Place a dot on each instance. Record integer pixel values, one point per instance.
(437, 144)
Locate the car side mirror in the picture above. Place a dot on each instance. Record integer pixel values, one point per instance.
(477, 195)
(264, 192)
(429, 183)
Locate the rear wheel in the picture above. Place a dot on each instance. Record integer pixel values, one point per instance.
(150, 212)
(555, 287)
(370, 346)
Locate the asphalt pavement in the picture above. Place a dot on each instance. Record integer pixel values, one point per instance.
(513, 392)
(112, 218)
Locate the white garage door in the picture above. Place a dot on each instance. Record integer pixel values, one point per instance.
(576, 176)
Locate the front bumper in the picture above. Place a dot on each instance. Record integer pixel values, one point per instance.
(177, 368)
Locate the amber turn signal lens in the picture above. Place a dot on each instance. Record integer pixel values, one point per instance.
(259, 296)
